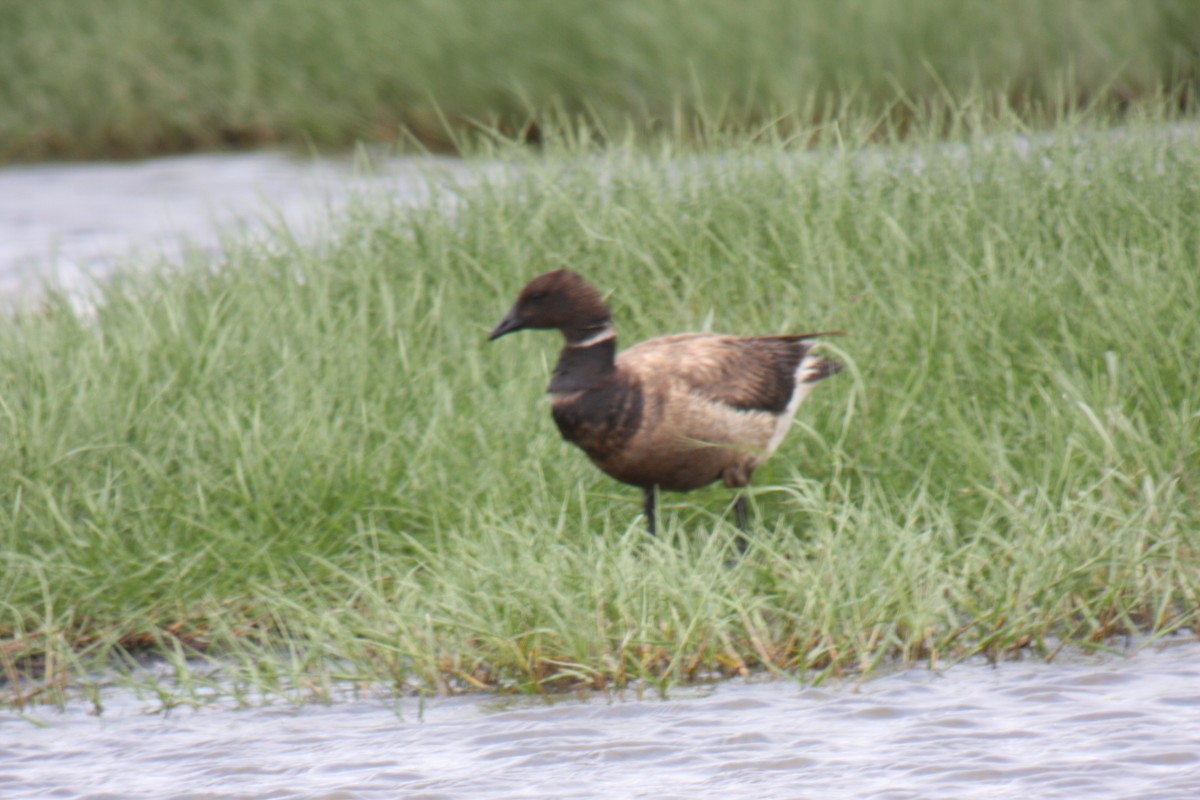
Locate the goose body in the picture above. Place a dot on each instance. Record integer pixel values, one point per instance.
(675, 412)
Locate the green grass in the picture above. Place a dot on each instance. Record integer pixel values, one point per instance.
(133, 77)
(307, 467)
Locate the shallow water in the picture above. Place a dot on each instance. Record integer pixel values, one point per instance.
(73, 223)
(1096, 727)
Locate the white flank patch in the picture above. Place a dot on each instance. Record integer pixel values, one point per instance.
(602, 335)
(804, 373)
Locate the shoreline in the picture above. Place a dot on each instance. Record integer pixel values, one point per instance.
(275, 453)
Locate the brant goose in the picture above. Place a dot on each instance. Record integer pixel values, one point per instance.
(676, 412)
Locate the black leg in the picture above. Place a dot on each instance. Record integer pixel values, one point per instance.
(740, 508)
(648, 508)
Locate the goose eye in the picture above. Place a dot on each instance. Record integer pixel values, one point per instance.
(536, 296)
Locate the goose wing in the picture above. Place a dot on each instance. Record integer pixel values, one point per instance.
(753, 373)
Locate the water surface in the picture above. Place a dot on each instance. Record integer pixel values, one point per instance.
(71, 224)
(1097, 727)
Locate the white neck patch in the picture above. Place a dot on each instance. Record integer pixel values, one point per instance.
(607, 333)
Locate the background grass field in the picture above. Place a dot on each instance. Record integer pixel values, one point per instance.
(304, 464)
(136, 77)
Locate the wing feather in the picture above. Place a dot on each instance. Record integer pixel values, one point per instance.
(753, 373)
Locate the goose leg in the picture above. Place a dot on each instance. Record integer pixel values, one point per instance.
(648, 508)
(740, 508)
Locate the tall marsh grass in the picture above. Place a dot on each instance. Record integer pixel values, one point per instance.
(132, 77)
(305, 464)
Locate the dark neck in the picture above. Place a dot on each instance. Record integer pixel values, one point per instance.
(584, 367)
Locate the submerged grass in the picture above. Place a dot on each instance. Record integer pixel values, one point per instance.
(305, 467)
(132, 77)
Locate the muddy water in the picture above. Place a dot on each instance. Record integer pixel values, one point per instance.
(1094, 727)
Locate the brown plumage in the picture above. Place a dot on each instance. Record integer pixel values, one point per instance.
(676, 412)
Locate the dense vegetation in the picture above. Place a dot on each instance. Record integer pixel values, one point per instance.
(136, 77)
(307, 465)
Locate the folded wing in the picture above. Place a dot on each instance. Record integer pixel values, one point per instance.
(756, 373)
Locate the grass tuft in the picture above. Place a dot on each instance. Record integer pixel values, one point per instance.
(137, 77)
(303, 468)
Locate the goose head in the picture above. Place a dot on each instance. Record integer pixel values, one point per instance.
(559, 299)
